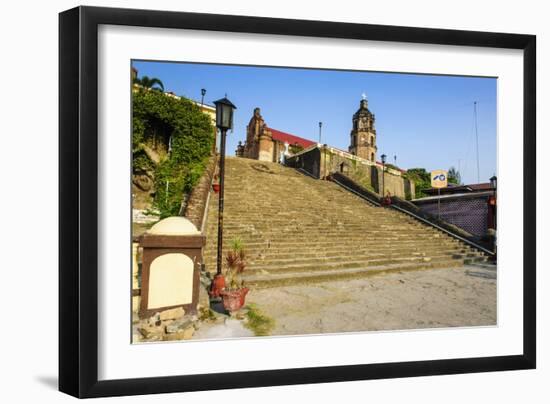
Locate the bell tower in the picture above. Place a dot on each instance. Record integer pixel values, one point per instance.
(363, 134)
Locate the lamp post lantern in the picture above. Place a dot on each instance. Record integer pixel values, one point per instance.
(493, 210)
(224, 121)
(493, 201)
(203, 93)
(383, 157)
(320, 126)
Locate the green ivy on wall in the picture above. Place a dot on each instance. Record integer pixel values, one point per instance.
(159, 116)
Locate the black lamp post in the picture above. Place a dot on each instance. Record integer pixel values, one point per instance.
(493, 210)
(383, 157)
(320, 126)
(493, 200)
(224, 121)
(203, 93)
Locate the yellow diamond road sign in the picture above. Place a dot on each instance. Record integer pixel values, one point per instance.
(439, 179)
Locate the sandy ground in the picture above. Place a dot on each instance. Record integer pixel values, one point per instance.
(408, 300)
(230, 328)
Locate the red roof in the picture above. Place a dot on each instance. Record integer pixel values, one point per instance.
(455, 189)
(290, 139)
(485, 186)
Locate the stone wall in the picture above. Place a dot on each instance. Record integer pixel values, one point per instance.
(307, 160)
(360, 170)
(366, 173)
(396, 185)
(196, 203)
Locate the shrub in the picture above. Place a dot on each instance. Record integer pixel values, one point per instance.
(421, 179)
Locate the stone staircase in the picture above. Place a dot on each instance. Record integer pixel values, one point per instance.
(298, 229)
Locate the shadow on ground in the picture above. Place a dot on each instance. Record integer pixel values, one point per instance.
(48, 381)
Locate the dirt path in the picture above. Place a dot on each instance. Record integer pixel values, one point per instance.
(419, 299)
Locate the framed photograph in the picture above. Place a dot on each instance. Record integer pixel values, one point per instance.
(250, 201)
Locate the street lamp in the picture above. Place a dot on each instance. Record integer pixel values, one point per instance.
(224, 121)
(493, 200)
(203, 92)
(493, 209)
(320, 126)
(383, 157)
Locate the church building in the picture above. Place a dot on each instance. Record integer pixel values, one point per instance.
(363, 134)
(267, 144)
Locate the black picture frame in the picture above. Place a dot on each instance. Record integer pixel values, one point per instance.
(78, 201)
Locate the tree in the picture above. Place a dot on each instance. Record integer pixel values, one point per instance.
(149, 82)
(421, 179)
(453, 176)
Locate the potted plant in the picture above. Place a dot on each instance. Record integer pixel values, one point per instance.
(233, 296)
(216, 184)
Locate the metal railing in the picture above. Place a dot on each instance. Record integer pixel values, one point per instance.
(306, 173)
(409, 209)
(353, 187)
(439, 227)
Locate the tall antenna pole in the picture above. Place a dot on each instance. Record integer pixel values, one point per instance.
(477, 140)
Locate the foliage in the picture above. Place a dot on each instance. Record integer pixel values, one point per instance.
(453, 176)
(421, 179)
(258, 322)
(391, 166)
(192, 138)
(150, 82)
(235, 260)
(295, 148)
(142, 163)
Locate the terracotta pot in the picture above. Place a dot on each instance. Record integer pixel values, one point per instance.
(233, 300)
(216, 187)
(217, 286)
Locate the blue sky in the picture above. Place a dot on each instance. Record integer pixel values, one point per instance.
(425, 120)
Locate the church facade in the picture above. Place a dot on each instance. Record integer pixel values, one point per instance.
(267, 144)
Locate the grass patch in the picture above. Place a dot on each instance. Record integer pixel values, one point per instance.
(207, 314)
(258, 323)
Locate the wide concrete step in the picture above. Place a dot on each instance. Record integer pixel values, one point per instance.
(338, 254)
(332, 248)
(285, 235)
(346, 262)
(322, 229)
(308, 277)
(365, 242)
